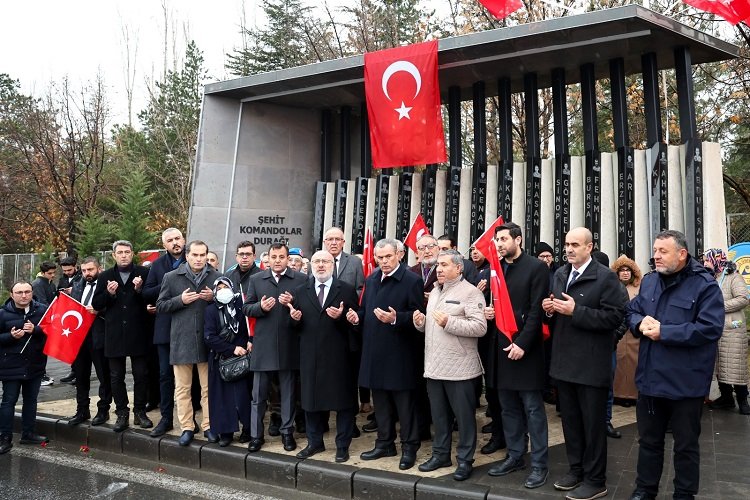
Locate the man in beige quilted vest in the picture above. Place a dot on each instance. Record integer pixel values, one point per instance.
(453, 321)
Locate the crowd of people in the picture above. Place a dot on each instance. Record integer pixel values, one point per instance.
(419, 344)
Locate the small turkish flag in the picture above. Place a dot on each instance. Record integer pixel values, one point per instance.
(403, 106)
(505, 320)
(501, 8)
(368, 256)
(418, 229)
(66, 324)
(734, 11)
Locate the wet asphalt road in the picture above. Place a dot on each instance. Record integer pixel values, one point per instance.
(36, 473)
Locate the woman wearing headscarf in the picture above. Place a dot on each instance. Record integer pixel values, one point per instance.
(731, 358)
(629, 275)
(225, 334)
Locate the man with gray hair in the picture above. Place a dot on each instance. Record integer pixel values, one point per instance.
(452, 324)
(118, 292)
(389, 350)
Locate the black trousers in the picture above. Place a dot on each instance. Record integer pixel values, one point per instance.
(654, 416)
(583, 410)
(388, 404)
(315, 422)
(119, 391)
(495, 411)
(88, 356)
(449, 398)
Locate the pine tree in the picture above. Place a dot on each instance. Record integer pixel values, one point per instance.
(93, 235)
(133, 211)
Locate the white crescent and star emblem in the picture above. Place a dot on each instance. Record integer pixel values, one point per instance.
(67, 331)
(393, 68)
(420, 233)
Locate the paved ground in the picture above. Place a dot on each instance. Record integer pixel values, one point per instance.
(724, 459)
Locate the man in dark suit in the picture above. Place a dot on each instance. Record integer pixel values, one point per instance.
(276, 344)
(245, 268)
(586, 305)
(389, 351)
(427, 252)
(174, 244)
(326, 360)
(346, 267)
(118, 295)
(91, 352)
(447, 242)
(520, 368)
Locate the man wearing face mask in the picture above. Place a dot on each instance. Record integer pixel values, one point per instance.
(185, 293)
(326, 364)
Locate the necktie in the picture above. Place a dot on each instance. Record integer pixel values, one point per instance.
(425, 273)
(89, 293)
(321, 294)
(574, 276)
(278, 277)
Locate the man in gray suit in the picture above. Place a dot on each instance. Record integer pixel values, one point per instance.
(346, 267)
(276, 344)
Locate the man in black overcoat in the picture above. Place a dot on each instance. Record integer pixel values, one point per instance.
(389, 351)
(326, 355)
(520, 368)
(118, 297)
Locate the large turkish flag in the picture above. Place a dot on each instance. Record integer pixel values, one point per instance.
(403, 106)
(734, 11)
(66, 324)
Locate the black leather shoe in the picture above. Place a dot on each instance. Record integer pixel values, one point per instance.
(407, 460)
(33, 439)
(507, 466)
(640, 495)
(122, 422)
(289, 443)
(612, 432)
(587, 492)
(100, 417)
(225, 440)
(6, 443)
(273, 424)
(493, 445)
(140, 418)
(309, 451)
(537, 478)
(244, 436)
(487, 428)
(463, 471)
(70, 378)
(371, 426)
(255, 444)
(355, 432)
(434, 463)
(211, 436)
(342, 455)
(162, 428)
(79, 418)
(568, 482)
(377, 453)
(186, 438)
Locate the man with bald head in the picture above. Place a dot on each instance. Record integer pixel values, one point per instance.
(346, 267)
(585, 306)
(327, 363)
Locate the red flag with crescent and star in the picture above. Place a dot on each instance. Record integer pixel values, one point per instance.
(418, 229)
(733, 11)
(501, 8)
(403, 106)
(505, 320)
(368, 254)
(66, 324)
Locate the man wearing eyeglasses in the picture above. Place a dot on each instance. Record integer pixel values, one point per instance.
(428, 249)
(245, 267)
(346, 267)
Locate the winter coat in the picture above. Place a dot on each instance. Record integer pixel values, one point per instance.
(390, 352)
(328, 377)
(186, 344)
(161, 266)
(44, 290)
(731, 361)
(228, 402)
(628, 344)
(691, 311)
(527, 279)
(126, 327)
(275, 344)
(582, 343)
(240, 281)
(21, 359)
(451, 351)
(96, 332)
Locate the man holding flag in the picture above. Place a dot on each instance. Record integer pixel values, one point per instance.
(520, 364)
(21, 345)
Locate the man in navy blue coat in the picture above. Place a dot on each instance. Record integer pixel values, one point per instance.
(389, 349)
(174, 243)
(679, 315)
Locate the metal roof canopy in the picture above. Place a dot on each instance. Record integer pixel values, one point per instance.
(567, 42)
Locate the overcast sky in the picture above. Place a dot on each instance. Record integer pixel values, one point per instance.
(44, 40)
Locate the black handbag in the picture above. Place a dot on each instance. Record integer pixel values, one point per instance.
(234, 368)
